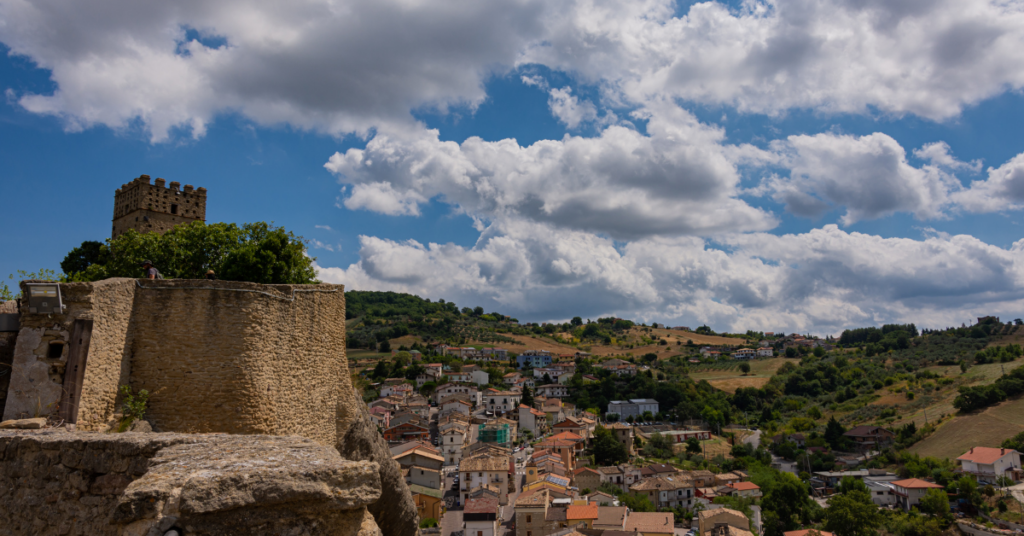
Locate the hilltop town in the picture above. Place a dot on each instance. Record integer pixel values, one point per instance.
(228, 396)
(531, 442)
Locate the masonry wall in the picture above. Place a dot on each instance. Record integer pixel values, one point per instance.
(216, 356)
(241, 358)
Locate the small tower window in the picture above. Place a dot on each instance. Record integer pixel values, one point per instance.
(56, 350)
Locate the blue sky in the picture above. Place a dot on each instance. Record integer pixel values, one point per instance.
(736, 164)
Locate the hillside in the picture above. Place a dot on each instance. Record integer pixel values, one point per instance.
(407, 320)
(986, 428)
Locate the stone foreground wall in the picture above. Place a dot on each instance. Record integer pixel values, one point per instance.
(69, 483)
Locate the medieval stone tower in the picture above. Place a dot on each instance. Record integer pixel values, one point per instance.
(150, 208)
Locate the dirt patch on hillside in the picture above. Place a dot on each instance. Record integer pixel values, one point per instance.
(730, 385)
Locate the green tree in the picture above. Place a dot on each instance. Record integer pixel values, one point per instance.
(693, 446)
(967, 491)
(852, 514)
(527, 399)
(934, 502)
(786, 498)
(256, 252)
(850, 484)
(659, 446)
(1016, 442)
(82, 257)
(834, 433)
(576, 321)
(636, 502)
(607, 449)
(791, 352)
(380, 371)
(745, 368)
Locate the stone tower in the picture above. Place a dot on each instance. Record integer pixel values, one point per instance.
(153, 208)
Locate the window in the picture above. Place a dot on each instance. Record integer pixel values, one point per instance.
(529, 519)
(479, 533)
(55, 350)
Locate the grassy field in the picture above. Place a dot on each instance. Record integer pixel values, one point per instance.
(728, 377)
(986, 428)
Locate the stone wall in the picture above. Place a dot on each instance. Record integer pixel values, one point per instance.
(57, 482)
(216, 356)
(241, 358)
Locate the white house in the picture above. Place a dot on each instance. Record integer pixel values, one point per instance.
(455, 405)
(991, 463)
(767, 351)
(399, 389)
(882, 493)
(452, 441)
(555, 390)
(534, 421)
(480, 517)
(909, 492)
(501, 401)
(480, 377)
(744, 353)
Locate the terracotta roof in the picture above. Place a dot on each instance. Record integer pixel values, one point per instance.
(610, 470)
(744, 486)
(422, 452)
(984, 455)
(482, 505)
(662, 483)
(915, 483)
(550, 442)
(581, 511)
(657, 522)
(807, 532)
(611, 516)
(537, 497)
(568, 436)
(580, 470)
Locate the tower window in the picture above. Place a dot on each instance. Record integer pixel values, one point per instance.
(174, 209)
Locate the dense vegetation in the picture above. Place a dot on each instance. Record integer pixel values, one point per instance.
(257, 252)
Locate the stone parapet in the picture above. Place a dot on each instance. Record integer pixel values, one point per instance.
(59, 482)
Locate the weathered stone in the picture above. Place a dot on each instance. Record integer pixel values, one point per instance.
(210, 484)
(141, 425)
(23, 424)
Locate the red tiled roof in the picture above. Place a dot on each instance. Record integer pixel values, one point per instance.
(579, 511)
(984, 455)
(481, 505)
(915, 483)
(807, 532)
(743, 486)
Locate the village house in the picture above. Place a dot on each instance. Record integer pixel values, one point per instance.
(511, 378)
(421, 466)
(501, 402)
(766, 351)
(746, 489)
(870, 438)
(533, 359)
(910, 491)
(632, 408)
(453, 440)
(396, 389)
(448, 389)
(407, 431)
(455, 404)
(991, 463)
(744, 353)
(581, 515)
(480, 517)
(586, 478)
(429, 502)
(483, 469)
(609, 517)
(708, 520)
(666, 491)
(534, 421)
(650, 524)
(553, 390)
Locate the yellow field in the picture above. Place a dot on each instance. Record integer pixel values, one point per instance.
(987, 428)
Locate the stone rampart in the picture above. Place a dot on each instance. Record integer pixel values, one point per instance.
(57, 482)
(216, 356)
